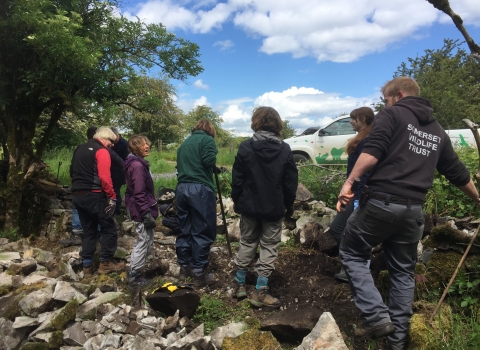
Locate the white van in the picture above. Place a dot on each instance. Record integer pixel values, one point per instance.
(327, 144)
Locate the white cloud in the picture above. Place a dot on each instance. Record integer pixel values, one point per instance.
(224, 44)
(202, 101)
(303, 107)
(200, 85)
(339, 31)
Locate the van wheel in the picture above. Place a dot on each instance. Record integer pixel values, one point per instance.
(299, 158)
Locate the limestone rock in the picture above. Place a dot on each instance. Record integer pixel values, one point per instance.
(36, 302)
(74, 334)
(11, 338)
(8, 258)
(6, 279)
(231, 330)
(25, 268)
(90, 305)
(325, 335)
(303, 194)
(234, 232)
(191, 339)
(23, 321)
(64, 291)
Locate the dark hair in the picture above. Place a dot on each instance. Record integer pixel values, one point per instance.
(267, 119)
(136, 142)
(206, 126)
(91, 132)
(406, 84)
(115, 130)
(365, 116)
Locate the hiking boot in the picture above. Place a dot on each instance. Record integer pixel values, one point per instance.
(260, 297)
(374, 332)
(139, 280)
(185, 272)
(111, 266)
(341, 276)
(241, 290)
(74, 239)
(88, 270)
(201, 280)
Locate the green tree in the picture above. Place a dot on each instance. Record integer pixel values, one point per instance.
(287, 130)
(77, 56)
(223, 138)
(159, 117)
(450, 78)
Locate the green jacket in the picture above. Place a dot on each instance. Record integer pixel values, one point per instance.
(196, 158)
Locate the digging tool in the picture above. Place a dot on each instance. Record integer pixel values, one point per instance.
(225, 230)
(474, 127)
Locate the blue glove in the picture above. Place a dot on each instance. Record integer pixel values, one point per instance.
(355, 204)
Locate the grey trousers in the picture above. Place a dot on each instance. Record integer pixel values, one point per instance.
(142, 247)
(256, 232)
(399, 227)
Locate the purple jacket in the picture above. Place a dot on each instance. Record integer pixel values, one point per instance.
(140, 195)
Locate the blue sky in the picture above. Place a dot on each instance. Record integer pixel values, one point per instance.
(312, 60)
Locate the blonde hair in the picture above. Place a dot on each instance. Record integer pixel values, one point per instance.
(267, 119)
(406, 84)
(136, 142)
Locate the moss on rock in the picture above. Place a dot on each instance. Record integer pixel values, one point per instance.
(253, 339)
(56, 340)
(35, 346)
(425, 335)
(66, 314)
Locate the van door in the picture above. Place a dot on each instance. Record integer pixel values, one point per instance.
(331, 142)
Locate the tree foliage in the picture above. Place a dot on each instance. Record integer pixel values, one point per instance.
(287, 130)
(159, 118)
(223, 138)
(450, 78)
(78, 56)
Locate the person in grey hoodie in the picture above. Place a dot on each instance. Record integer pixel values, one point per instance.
(264, 185)
(141, 206)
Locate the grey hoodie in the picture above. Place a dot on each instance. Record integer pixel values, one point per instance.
(409, 144)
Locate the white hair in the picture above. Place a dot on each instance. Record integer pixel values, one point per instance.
(104, 133)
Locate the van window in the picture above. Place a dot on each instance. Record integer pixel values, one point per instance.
(340, 127)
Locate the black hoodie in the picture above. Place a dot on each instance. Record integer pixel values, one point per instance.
(409, 144)
(264, 179)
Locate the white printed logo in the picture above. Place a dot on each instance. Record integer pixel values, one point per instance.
(421, 142)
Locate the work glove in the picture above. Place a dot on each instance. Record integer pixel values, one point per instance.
(217, 170)
(110, 208)
(289, 212)
(149, 221)
(355, 204)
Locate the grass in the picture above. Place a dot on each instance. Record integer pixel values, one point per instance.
(213, 312)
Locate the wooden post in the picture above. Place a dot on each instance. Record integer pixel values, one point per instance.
(161, 146)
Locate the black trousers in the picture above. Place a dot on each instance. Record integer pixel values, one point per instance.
(91, 210)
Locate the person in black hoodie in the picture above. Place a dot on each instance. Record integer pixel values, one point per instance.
(405, 146)
(264, 185)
